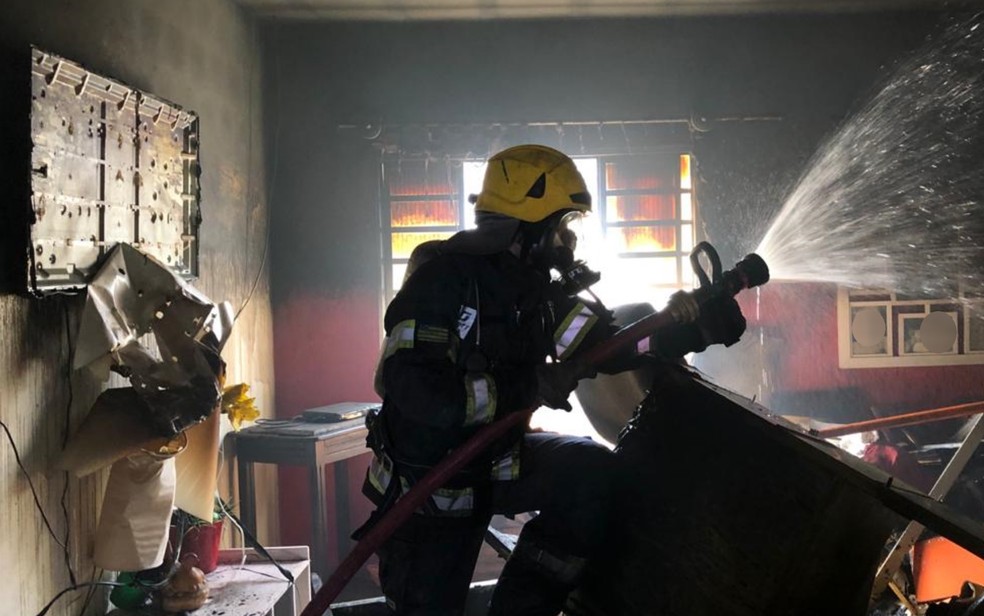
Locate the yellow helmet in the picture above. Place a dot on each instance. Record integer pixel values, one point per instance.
(531, 182)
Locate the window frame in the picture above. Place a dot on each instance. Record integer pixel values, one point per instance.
(896, 310)
(387, 230)
(682, 255)
(684, 279)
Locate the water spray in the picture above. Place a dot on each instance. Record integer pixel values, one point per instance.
(894, 198)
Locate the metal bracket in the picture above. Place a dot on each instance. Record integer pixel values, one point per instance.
(942, 486)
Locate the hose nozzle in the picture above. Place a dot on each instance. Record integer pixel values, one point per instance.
(751, 271)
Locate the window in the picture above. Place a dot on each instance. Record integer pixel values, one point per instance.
(647, 212)
(422, 203)
(882, 329)
(640, 235)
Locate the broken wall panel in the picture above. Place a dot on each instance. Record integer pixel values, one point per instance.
(110, 164)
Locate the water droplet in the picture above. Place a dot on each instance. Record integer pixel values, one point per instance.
(903, 172)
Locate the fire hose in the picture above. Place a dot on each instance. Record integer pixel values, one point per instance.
(749, 272)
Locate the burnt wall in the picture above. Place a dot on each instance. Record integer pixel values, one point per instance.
(204, 56)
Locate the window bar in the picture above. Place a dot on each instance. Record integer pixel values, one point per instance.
(684, 167)
(602, 197)
(459, 184)
(387, 232)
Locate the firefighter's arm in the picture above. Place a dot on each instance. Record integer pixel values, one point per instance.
(582, 323)
(720, 321)
(579, 324)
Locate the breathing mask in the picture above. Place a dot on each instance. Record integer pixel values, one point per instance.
(550, 245)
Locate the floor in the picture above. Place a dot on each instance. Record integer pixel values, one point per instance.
(365, 584)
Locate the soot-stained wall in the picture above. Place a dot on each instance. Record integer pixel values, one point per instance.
(204, 56)
(809, 70)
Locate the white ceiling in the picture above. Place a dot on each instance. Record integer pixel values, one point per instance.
(400, 10)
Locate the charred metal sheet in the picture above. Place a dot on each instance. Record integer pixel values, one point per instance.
(110, 164)
(725, 508)
(133, 294)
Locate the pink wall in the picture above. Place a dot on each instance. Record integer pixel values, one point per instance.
(804, 317)
(325, 351)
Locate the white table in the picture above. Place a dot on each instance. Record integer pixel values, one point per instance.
(258, 587)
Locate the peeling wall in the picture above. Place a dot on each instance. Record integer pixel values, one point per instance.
(205, 57)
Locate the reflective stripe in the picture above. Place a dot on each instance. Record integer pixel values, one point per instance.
(480, 408)
(430, 333)
(380, 473)
(400, 338)
(572, 331)
(506, 468)
(445, 501)
(454, 501)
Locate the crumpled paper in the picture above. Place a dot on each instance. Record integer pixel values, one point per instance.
(134, 294)
(146, 323)
(136, 514)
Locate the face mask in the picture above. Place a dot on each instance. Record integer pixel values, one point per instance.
(550, 244)
(554, 250)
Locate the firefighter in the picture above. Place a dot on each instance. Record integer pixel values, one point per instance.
(479, 331)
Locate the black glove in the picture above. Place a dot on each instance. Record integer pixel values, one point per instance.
(683, 307)
(720, 322)
(556, 381)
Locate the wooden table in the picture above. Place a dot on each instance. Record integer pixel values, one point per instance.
(342, 441)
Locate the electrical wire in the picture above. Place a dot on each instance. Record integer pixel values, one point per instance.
(66, 539)
(218, 495)
(270, 184)
(34, 492)
(249, 153)
(278, 578)
(245, 536)
(62, 543)
(263, 551)
(92, 590)
(65, 433)
(74, 587)
(242, 534)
